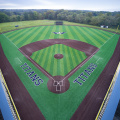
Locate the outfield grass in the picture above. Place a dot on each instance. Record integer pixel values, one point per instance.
(8, 26)
(25, 36)
(91, 26)
(58, 106)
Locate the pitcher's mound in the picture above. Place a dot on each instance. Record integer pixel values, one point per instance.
(58, 56)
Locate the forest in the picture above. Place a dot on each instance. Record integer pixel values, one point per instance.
(96, 18)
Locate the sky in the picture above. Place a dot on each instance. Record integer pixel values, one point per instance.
(95, 5)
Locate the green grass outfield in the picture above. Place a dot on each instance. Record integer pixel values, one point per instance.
(58, 106)
(25, 36)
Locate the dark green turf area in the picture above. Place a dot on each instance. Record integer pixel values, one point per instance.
(45, 58)
(58, 106)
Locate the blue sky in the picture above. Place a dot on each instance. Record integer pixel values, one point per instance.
(96, 5)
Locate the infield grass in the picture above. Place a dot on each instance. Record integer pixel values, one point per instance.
(45, 58)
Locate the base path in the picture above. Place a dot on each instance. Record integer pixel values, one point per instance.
(88, 49)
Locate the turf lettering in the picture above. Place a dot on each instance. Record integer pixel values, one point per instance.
(88, 72)
(84, 75)
(92, 66)
(23, 64)
(35, 77)
(82, 79)
(37, 83)
(31, 74)
(76, 80)
(28, 69)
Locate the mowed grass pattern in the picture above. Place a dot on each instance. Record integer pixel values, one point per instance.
(68, 102)
(89, 35)
(45, 58)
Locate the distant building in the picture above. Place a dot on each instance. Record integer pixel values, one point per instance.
(104, 26)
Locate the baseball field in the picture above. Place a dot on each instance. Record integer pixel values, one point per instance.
(58, 72)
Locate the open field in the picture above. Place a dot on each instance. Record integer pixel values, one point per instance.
(57, 106)
(23, 24)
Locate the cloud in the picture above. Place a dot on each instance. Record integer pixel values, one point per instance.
(103, 5)
(8, 4)
(45, 2)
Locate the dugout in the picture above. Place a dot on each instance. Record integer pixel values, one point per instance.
(59, 23)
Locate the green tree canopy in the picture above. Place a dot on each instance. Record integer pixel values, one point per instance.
(4, 17)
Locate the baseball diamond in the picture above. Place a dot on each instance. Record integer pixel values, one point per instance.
(78, 45)
(58, 72)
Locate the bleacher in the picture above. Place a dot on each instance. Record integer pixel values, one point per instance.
(59, 23)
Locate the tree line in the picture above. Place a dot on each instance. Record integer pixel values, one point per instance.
(111, 19)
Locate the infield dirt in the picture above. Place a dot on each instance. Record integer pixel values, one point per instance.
(88, 49)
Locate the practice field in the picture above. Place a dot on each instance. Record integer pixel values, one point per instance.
(59, 70)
